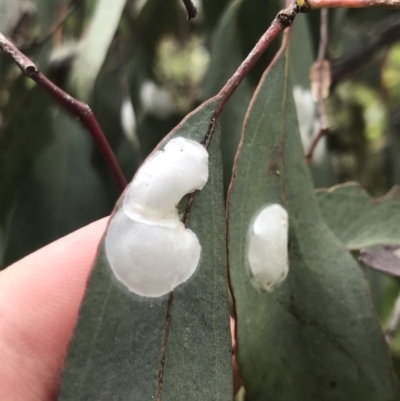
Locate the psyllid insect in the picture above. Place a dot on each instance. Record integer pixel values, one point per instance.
(147, 246)
(268, 247)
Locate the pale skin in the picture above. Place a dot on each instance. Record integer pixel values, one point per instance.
(39, 303)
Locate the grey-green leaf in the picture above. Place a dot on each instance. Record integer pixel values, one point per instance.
(317, 336)
(94, 46)
(358, 220)
(169, 348)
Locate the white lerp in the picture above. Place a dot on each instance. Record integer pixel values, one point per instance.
(148, 248)
(268, 247)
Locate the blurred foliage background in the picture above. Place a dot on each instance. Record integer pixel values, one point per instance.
(142, 67)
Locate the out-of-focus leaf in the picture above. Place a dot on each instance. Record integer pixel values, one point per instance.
(21, 141)
(320, 85)
(117, 348)
(317, 336)
(392, 153)
(213, 10)
(366, 17)
(157, 18)
(384, 258)
(94, 46)
(152, 130)
(254, 18)
(301, 53)
(5, 13)
(47, 12)
(62, 191)
(106, 104)
(5, 63)
(358, 45)
(358, 220)
(9, 11)
(302, 58)
(224, 62)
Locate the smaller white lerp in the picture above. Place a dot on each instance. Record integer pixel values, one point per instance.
(147, 246)
(268, 247)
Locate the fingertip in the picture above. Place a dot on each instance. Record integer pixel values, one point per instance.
(40, 297)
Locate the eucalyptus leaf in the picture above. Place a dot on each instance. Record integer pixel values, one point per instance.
(358, 220)
(393, 153)
(317, 336)
(175, 347)
(95, 45)
(46, 12)
(22, 140)
(301, 60)
(62, 190)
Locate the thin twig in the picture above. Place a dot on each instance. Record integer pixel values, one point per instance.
(283, 20)
(78, 109)
(315, 4)
(323, 44)
(190, 9)
(394, 323)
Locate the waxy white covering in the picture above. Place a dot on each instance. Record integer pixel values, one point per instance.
(148, 248)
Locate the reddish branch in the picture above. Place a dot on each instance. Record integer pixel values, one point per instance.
(75, 107)
(314, 4)
(283, 20)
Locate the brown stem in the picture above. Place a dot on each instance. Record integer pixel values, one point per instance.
(323, 44)
(78, 109)
(190, 9)
(283, 20)
(315, 4)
